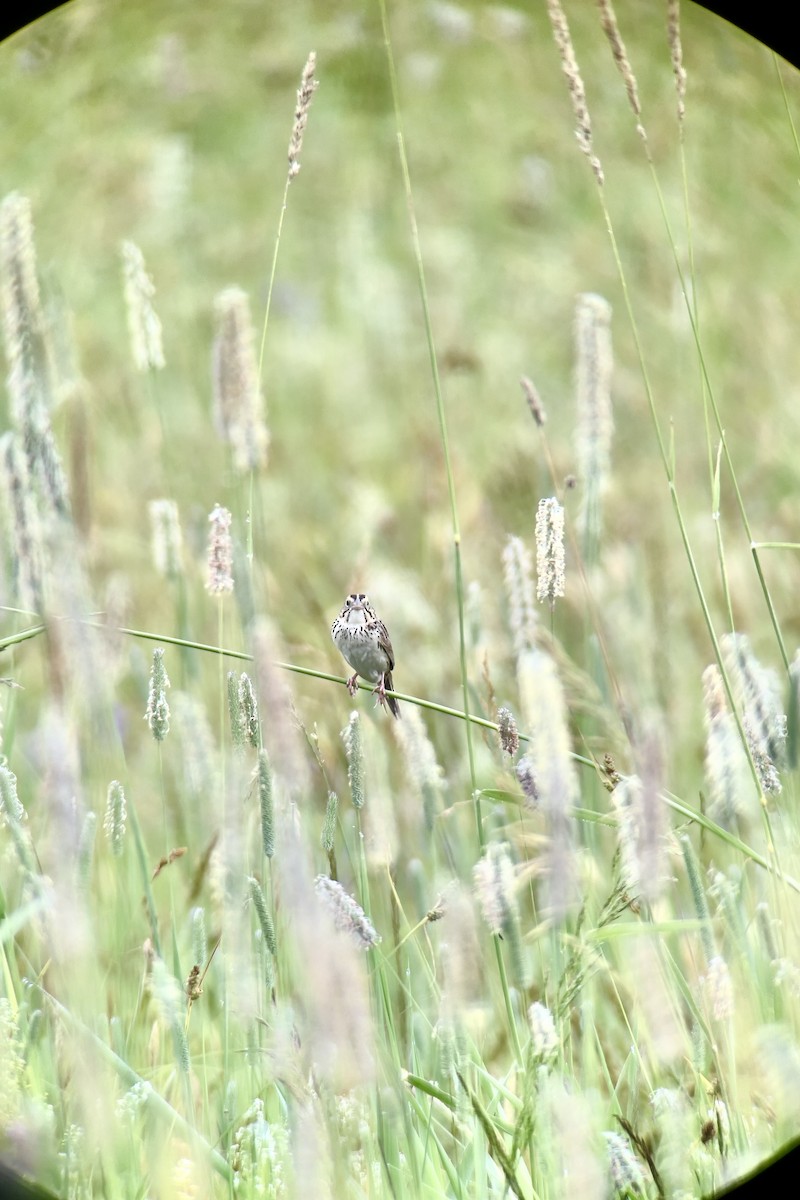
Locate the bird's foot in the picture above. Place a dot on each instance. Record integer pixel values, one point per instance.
(352, 684)
(380, 691)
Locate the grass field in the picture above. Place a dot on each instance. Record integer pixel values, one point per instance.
(539, 937)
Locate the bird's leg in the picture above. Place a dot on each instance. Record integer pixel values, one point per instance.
(352, 684)
(380, 690)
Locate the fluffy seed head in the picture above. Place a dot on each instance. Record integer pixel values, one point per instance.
(10, 804)
(348, 915)
(626, 1173)
(526, 778)
(716, 702)
(157, 712)
(167, 542)
(235, 714)
(199, 936)
(25, 329)
(637, 801)
(262, 912)
(608, 20)
(266, 803)
(676, 54)
(328, 835)
(305, 94)
(249, 709)
(518, 575)
(144, 327)
(757, 690)
(543, 1032)
(423, 767)
(553, 769)
(169, 1003)
(26, 542)
(595, 424)
(238, 400)
(507, 730)
(220, 552)
(719, 988)
(727, 774)
(549, 550)
(494, 886)
(577, 92)
(115, 816)
(627, 801)
(534, 401)
(351, 736)
(19, 286)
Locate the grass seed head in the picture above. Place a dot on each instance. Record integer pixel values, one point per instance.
(220, 552)
(608, 21)
(167, 541)
(305, 94)
(543, 1032)
(627, 1177)
(157, 713)
(719, 988)
(25, 530)
(534, 401)
(507, 731)
(577, 92)
(348, 915)
(351, 736)
(595, 422)
(238, 400)
(518, 576)
(676, 54)
(144, 326)
(550, 558)
(115, 818)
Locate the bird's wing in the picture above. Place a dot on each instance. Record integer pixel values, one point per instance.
(385, 643)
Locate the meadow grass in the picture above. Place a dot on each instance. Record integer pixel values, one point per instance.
(539, 936)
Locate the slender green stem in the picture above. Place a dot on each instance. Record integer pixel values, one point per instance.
(708, 393)
(24, 635)
(440, 410)
(669, 469)
(131, 1079)
(272, 272)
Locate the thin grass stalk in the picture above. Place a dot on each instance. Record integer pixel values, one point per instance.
(267, 307)
(172, 1118)
(693, 320)
(397, 1075)
(715, 516)
(669, 470)
(271, 285)
(270, 289)
(440, 410)
(141, 854)
(708, 393)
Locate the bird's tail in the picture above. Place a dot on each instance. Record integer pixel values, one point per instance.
(390, 700)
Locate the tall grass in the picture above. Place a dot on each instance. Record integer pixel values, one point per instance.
(539, 936)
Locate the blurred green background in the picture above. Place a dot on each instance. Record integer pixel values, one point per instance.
(167, 124)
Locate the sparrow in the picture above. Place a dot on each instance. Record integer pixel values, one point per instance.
(363, 640)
